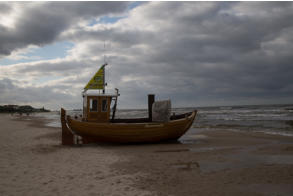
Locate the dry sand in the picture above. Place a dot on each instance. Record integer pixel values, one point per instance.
(32, 162)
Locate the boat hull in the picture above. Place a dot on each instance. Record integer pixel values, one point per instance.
(131, 132)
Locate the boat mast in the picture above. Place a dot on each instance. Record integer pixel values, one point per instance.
(104, 84)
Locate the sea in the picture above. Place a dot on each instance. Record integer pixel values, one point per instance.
(268, 119)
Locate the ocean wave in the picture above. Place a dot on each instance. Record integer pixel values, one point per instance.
(271, 118)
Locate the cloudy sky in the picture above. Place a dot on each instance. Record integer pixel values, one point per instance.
(195, 53)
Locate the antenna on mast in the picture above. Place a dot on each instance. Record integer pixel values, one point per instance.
(104, 52)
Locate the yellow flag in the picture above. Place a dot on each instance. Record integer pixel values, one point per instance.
(97, 81)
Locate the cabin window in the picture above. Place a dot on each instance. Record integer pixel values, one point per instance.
(104, 105)
(94, 105)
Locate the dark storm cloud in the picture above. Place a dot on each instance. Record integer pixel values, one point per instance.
(198, 49)
(229, 51)
(41, 23)
(196, 53)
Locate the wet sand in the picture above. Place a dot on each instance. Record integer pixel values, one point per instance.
(33, 162)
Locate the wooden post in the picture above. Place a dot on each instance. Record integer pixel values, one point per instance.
(151, 100)
(67, 136)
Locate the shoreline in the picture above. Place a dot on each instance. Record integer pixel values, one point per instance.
(34, 162)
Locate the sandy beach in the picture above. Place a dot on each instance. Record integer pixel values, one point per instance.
(33, 162)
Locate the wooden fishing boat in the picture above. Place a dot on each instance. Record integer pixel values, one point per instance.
(96, 125)
(130, 132)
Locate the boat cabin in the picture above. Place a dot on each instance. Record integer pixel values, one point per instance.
(96, 107)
